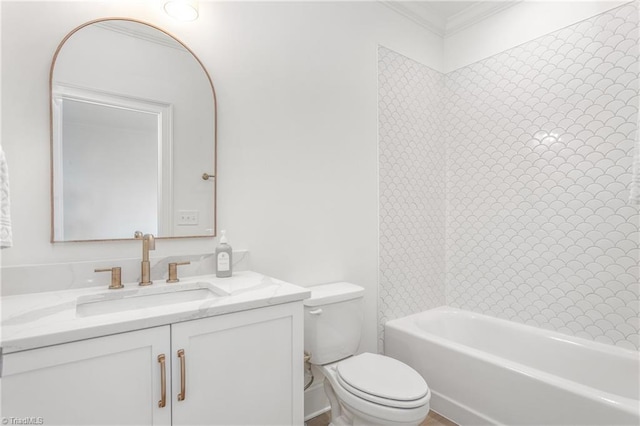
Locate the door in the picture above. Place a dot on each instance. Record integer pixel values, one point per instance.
(243, 368)
(107, 380)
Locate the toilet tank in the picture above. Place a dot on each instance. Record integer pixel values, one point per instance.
(333, 318)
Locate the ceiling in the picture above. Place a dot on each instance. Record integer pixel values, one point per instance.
(446, 17)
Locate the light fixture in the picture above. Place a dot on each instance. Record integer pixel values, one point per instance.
(182, 10)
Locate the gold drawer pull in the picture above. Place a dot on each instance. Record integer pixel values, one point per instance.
(163, 381)
(183, 393)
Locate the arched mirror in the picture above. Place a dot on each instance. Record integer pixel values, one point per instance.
(133, 135)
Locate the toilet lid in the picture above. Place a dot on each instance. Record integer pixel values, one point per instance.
(382, 378)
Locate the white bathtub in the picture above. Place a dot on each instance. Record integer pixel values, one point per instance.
(484, 370)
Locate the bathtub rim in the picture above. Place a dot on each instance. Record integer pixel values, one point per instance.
(593, 344)
(407, 325)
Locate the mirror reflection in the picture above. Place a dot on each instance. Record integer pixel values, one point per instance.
(133, 132)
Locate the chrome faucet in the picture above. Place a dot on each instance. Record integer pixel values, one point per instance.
(148, 243)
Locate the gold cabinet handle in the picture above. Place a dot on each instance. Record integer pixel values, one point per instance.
(183, 393)
(163, 381)
(207, 176)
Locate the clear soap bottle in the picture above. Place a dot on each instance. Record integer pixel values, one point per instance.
(224, 259)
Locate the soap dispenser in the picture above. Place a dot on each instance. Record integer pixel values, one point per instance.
(223, 258)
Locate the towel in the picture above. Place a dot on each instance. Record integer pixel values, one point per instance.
(6, 238)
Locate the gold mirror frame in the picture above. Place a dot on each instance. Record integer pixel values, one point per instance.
(51, 142)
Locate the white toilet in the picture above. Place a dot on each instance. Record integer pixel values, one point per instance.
(365, 389)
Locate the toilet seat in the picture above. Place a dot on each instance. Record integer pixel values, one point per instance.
(382, 380)
(380, 412)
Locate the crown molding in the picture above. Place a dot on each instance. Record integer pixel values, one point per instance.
(476, 13)
(421, 13)
(414, 12)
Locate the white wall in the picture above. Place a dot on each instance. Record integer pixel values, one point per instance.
(518, 24)
(297, 147)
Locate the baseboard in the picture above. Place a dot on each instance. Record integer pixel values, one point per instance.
(458, 413)
(315, 401)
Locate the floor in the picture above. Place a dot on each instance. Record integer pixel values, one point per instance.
(433, 419)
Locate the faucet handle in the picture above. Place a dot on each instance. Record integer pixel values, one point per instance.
(116, 276)
(173, 271)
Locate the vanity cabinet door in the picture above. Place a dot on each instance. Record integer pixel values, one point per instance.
(111, 380)
(242, 368)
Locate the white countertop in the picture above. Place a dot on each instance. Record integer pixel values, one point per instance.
(41, 319)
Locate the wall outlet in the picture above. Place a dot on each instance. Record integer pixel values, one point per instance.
(187, 217)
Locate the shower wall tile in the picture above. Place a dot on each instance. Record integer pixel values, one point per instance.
(412, 187)
(540, 230)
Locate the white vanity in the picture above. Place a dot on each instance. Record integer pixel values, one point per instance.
(203, 351)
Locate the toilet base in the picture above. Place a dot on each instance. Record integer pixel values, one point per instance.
(341, 421)
(355, 418)
(347, 420)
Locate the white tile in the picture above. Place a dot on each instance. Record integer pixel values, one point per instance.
(537, 142)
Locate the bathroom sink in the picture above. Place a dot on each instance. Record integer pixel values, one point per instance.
(115, 301)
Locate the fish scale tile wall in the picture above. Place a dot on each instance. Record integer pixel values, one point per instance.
(539, 150)
(412, 187)
(540, 140)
